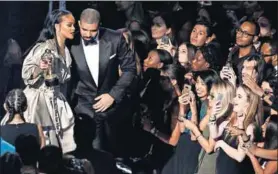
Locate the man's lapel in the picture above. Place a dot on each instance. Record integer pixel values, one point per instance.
(104, 53)
(83, 63)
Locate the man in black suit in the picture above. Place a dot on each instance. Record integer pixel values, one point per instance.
(100, 91)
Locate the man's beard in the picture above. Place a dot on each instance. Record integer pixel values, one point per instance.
(245, 45)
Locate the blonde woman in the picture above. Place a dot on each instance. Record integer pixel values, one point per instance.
(219, 106)
(185, 158)
(231, 157)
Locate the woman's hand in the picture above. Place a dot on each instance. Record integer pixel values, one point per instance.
(44, 64)
(215, 110)
(250, 82)
(184, 99)
(235, 131)
(168, 47)
(192, 103)
(229, 74)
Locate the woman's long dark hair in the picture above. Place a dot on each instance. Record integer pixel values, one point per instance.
(271, 133)
(210, 77)
(49, 31)
(16, 103)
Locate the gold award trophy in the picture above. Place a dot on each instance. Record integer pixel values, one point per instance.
(50, 78)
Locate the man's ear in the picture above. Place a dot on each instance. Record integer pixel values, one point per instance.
(207, 65)
(168, 31)
(160, 65)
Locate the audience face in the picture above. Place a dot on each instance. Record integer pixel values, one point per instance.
(249, 69)
(201, 88)
(159, 28)
(198, 35)
(245, 34)
(266, 52)
(199, 63)
(241, 102)
(183, 54)
(88, 31)
(152, 61)
(66, 27)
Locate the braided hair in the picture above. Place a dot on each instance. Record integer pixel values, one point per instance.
(16, 103)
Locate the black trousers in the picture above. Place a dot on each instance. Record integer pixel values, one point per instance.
(108, 131)
(95, 124)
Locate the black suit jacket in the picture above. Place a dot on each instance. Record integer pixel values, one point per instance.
(110, 43)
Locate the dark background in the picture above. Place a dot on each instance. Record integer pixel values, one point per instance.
(23, 20)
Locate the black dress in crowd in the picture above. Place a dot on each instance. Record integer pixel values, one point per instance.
(226, 164)
(186, 157)
(10, 132)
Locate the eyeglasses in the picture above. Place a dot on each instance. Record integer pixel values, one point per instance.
(243, 33)
(268, 55)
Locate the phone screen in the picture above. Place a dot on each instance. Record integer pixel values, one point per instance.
(186, 89)
(165, 40)
(219, 97)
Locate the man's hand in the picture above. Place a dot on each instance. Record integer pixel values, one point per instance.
(105, 101)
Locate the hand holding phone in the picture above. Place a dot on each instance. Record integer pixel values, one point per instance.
(217, 105)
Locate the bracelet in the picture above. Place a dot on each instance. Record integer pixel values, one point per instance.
(212, 119)
(248, 139)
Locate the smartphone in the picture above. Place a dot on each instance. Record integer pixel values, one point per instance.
(165, 40)
(219, 97)
(186, 89)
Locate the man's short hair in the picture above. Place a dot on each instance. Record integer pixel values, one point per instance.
(90, 16)
(253, 22)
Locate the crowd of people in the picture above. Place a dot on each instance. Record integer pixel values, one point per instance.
(145, 98)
